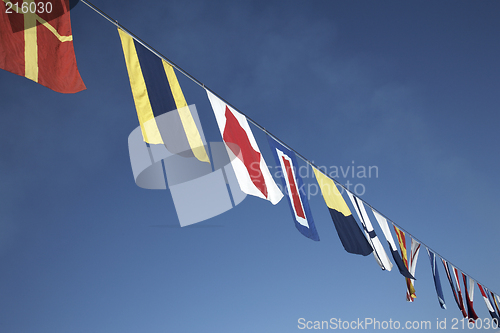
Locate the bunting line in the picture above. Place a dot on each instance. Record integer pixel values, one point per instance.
(192, 78)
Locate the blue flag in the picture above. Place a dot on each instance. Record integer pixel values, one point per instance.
(293, 187)
(437, 281)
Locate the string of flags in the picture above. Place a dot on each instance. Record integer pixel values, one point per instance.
(39, 46)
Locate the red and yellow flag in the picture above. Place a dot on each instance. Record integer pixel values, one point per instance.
(410, 292)
(36, 42)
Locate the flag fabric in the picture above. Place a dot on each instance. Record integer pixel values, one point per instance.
(156, 91)
(402, 245)
(248, 163)
(382, 222)
(350, 234)
(294, 189)
(437, 281)
(378, 250)
(415, 249)
(469, 296)
(456, 295)
(493, 300)
(39, 46)
(496, 301)
(487, 300)
(459, 291)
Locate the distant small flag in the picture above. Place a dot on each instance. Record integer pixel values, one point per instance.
(156, 91)
(39, 45)
(378, 250)
(459, 291)
(294, 189)
(469, 296)
(382, 222)
(456, 295)
(415, 249)
(491, 310)
(350, 234)
(496, 301)
(437, 281)
(248, 163)
(410, 290)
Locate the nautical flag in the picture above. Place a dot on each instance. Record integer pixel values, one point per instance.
(469, 295)
(491, 310)
(378, 250)
(459, 291)
(39, 44)
(294, 189)
(496, 301)
(156, 91)
(248, 163)
(456, 295)
(437, 281)
(350, 234)
(382, 222)
(415, 249)
(410, 290)
(493, 300)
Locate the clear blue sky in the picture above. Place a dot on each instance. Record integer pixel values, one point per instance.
(410, 87)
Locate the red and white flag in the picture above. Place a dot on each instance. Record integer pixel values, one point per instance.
(469, 297)
(248, 163)
(491, 310)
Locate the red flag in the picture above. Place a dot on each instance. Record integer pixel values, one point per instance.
(36, 42)
(248, 163)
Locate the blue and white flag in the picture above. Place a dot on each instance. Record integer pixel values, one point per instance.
(382, 222)
(293, 187)
(437, 281)
(378, 250)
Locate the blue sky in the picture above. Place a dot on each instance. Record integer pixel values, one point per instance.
(409, 87)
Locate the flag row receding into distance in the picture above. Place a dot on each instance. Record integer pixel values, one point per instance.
(437, 281)
(294, 189)
(378, 250)
(350, 234)
(248, 163)
(156, 91)
(254, 178)
(39, 46)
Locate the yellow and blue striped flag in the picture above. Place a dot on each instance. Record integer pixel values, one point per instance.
(156, 91)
